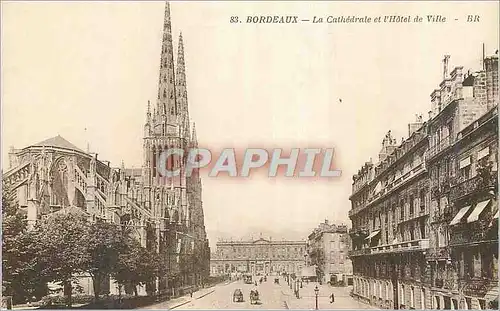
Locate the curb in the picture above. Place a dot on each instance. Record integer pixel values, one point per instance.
(191, 300)
(205, 294)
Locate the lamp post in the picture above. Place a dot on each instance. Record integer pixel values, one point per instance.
(316, 292)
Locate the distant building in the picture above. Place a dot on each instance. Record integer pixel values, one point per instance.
(328, 251)
(259, 256)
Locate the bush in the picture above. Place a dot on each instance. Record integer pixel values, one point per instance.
(61, 300)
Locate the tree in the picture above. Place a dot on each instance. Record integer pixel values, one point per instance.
(137, 266)
(61, 247)
(104, 243)
(20, 277)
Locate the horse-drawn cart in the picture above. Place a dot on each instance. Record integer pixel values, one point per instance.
(254, 296)
(237, 295)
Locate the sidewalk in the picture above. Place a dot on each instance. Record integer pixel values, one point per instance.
(180, 301)
(307, 300)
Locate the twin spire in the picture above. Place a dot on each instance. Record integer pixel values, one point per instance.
(172, 105)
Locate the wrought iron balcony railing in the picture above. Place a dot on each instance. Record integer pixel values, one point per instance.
(472, 185)
(407, 246)
(359, 252)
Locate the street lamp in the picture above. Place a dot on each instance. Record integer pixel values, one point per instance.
(316, 292)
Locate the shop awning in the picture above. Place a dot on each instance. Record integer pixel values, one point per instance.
(374, 233)
(460, 215)
(474, 216)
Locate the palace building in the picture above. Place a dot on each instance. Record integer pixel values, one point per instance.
(167, 215)
(258, 256)
(425, 216)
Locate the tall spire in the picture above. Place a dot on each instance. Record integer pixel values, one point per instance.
(180, 84)
(148, 113)
(194, 137)
(166, 104)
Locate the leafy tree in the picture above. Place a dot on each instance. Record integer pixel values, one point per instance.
(137, 265)
(61, 246)
(104, 243)
(20, 277)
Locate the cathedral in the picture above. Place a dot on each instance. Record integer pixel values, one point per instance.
(166, 213)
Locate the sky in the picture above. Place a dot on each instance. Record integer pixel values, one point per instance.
(85, 71)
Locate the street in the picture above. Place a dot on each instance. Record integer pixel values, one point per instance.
(272, 296)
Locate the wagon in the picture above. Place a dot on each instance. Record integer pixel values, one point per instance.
(237, 295)
(254, 297)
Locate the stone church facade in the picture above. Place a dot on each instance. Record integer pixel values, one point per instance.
(166, 214)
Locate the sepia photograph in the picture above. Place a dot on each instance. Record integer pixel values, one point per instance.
(195, 155)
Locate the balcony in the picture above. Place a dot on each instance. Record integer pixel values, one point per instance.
(442, 145)
(476, 286)
(359, 232)
(408, 246)
(439, 253)
(359, 252)
(472, 185)
(468, 236)
(396, 183)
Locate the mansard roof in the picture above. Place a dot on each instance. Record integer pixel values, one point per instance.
(58, 142)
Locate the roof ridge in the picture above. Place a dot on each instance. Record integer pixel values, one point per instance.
(57, 141)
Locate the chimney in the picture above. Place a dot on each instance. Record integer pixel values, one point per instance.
(413, 127)
(445, 66)
(491, 68)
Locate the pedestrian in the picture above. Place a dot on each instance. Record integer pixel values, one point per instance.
(332, 298)
(191, 293)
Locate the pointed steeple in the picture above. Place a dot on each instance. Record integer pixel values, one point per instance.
(194, 138)
(148, 113)
(186, 133)
(180, 85)
(166, 104)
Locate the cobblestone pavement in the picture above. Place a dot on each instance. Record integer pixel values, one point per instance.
(272, 296)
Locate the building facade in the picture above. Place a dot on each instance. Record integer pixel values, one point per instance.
(425, 222)
(167, 214)
(328, 246)
(258, 257)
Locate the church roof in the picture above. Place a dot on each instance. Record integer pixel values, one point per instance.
(58, 142)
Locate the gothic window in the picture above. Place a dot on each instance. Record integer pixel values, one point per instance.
(164, 93)
(154, 162)
(171, 95)
(172, 110)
